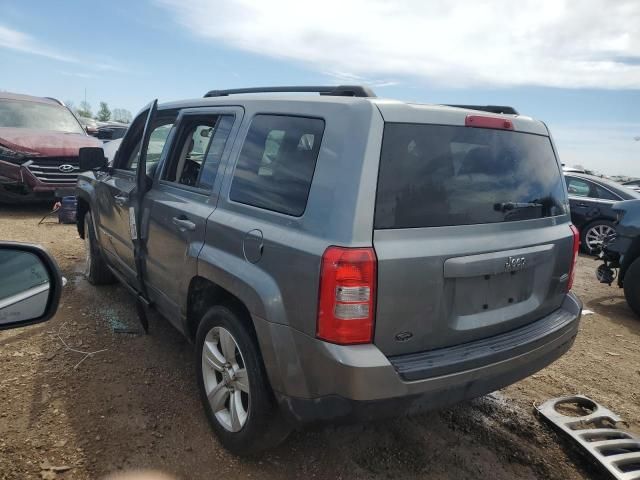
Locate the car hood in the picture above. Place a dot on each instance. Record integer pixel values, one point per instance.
(45, 142)
(110, 148)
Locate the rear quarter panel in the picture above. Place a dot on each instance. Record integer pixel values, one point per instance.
(281, 286)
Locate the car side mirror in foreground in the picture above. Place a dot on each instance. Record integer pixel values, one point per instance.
(30, 285)
(90, 158)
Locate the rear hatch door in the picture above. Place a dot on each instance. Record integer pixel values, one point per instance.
(471, 232)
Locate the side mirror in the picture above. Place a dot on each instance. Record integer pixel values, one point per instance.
(91, 130)
(90, 158)
(30, 285)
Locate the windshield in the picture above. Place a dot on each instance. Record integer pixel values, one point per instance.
(437, 175)
(38, 116)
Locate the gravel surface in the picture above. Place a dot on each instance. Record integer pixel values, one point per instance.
(134, 404)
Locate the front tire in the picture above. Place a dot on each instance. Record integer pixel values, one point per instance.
(95, 268)
(632, 286)
(233, 384)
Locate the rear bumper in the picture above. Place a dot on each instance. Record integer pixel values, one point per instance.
(316, 381)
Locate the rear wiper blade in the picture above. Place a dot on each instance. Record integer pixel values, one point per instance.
(508, 206)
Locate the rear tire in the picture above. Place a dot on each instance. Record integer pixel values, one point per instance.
(233, 384)
(594, 233)
(632, 286)
(95, 270)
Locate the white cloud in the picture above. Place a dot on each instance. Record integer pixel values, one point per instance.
(78, 74)
(22, 42)
(558, 43)
(15, 40)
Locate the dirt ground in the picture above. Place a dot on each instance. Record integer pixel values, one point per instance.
(134, 403)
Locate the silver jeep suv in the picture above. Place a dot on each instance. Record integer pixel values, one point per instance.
(337, 256)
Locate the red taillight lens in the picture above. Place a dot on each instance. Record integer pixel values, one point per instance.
(482, 121)
(347, 295)
(574, 260)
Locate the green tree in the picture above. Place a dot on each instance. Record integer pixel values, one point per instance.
(84, 110)
(104, 114)
(121, 115)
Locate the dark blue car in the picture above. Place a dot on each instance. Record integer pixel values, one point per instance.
(591, 198)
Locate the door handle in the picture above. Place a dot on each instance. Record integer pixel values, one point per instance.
(121, 200)
(183, 223)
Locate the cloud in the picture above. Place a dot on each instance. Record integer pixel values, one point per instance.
(555, 43)
(342, 78)
(77, 74)
(22, 42)
(15, 40)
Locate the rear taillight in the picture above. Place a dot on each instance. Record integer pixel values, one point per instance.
(347, 295)
(574, 259)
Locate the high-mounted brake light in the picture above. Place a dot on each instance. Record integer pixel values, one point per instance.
(347, 295)
(574, 260)
(482, 121)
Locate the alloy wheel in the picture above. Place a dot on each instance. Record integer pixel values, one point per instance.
(226, 381)
(596, 235)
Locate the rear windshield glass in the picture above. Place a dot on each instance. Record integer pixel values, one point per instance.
(40, 116)
(437, 175)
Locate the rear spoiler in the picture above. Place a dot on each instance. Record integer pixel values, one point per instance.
(502, 109)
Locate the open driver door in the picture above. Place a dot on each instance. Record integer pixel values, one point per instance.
(136, 215)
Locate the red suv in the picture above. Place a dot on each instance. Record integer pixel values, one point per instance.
(39, 142)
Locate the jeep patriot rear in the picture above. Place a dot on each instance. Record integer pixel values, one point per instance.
(338, 256)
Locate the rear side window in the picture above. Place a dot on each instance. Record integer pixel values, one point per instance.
(605, 194)
(210, 170)
(438, 175)
(578, 188)
(276, 163)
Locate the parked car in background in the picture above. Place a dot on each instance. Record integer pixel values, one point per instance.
(89, 124)
(591, 199)
(39, 142)
(111, 131)
(337, 256)
(573, 169)
(622, 252)
(633, 184)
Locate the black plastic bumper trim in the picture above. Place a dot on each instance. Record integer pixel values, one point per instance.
(434, 363)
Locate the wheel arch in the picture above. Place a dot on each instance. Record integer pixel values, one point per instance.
(83, 192)
(203, 294)
(217, 287)
(630, 256)
(81, 209)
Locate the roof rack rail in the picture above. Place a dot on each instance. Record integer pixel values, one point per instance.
(332, 90)
(489, 108)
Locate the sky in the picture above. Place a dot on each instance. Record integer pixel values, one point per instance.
(573, 64)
